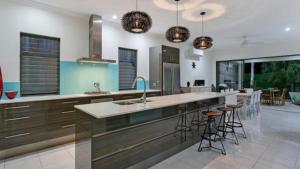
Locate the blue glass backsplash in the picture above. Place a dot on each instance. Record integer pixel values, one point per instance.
(78, 78)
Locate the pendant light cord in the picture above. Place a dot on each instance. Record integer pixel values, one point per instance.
(202, 26)
(136, 4)
(177, 14)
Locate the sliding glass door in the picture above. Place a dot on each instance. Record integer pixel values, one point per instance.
(229, 75)
(281, 72)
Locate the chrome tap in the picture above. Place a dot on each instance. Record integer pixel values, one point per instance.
(133, 84)
(97, 86)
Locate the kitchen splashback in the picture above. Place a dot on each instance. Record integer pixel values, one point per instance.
(78, 78)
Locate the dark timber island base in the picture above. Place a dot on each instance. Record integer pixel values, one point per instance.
(138, 140)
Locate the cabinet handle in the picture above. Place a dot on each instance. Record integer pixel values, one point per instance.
(68, 126)
(20, 118)
(67, 112)
(17, 107)
(70, 102)
(17, 135)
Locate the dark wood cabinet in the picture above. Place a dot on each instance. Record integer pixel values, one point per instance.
(12, 139)
(34, 122)
(153, 94)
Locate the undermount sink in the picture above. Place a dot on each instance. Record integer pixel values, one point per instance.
(129, 102)
(92, 93)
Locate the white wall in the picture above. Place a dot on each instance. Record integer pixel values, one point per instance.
(114, 37)
(73, 30)
(16, 18)
(253, 51)
(202, 70)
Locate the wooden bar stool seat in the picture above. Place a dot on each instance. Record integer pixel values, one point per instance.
(211, 113)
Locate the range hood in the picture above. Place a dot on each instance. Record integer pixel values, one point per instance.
(95, 43)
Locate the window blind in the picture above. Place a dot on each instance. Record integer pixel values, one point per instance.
(39, 65)
(127, 68)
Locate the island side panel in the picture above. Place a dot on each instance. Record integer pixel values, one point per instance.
(83, 140)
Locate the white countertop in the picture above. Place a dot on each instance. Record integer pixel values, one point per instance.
(70, 96)
(110, 109)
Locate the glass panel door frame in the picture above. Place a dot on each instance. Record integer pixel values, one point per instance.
(255, 59)
(239, 78)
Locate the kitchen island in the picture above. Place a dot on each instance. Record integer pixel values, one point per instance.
(116, 135)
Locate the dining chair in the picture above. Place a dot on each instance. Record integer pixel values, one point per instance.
(249, 90)
(257, 101)
(231, 99)
(280, 99)
(251, 108)
(266, 96)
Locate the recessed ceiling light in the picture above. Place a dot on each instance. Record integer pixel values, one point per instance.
(115, 17)
(287, 29)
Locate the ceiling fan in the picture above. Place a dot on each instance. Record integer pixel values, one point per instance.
(246, 42)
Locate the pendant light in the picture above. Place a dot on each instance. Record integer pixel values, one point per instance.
(177, 34)
(136, 21)
(203, 42)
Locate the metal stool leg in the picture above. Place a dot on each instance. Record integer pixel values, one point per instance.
(202, 137)
(238, 116)
(231, 121)
(209, 127)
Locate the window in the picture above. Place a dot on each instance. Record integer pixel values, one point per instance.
(127, 68)
(39, 68)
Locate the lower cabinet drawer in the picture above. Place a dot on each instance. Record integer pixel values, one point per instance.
(61, 129)
(21, 122)
(22, 137)
(17, 138)
(115, 141)
(61, 116)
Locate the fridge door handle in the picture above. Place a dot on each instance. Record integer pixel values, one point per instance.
(172, 79)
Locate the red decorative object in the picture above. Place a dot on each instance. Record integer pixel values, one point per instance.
(243, 91)
(1, 84)
(11, 94)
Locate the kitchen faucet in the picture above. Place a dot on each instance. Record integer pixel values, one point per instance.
(97, 86)
(133, 84)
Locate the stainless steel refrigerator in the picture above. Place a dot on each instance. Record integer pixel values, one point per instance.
(164, 68)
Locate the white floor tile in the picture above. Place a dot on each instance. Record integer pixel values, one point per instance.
(30, 161)
(56, 158)
(1, 164)
(269, 165)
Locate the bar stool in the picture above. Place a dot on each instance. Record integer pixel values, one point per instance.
(182, 120)
(234, 122)
(222, 128)
(196, 119)
(209, 133)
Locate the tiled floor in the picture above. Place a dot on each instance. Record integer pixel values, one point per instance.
(273, 143)
(62, 157)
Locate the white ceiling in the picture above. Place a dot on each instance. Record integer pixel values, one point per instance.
(227, 20)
